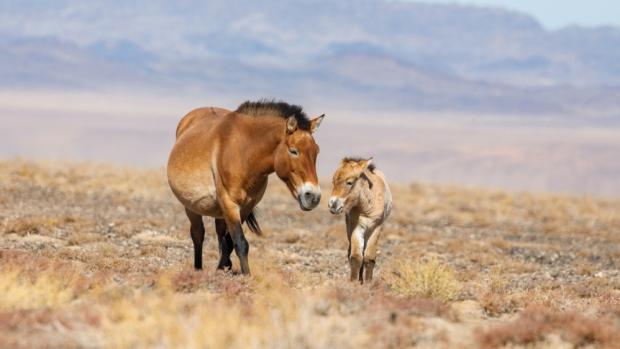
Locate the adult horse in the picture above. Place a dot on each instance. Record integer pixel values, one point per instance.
(220, 162)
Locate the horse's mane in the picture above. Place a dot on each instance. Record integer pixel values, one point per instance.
(270, 107)
(371, 167)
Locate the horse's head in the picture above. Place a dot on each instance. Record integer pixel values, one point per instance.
(295, 162)
(346, 183)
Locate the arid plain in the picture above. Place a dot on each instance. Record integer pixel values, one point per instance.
(95, 255)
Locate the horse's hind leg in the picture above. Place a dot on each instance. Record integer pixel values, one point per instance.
(225, 244)
(197, 230)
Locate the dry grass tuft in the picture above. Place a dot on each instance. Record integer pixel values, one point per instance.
(496, 300)
(81, 238)
(47, 288)
(34, 225)
(429, 279)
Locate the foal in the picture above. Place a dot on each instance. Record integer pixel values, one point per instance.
(361, 191)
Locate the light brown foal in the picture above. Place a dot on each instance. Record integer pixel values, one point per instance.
(361, 191)
(220, 163)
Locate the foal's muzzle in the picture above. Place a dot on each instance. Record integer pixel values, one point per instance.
(335, 205)
(309, 196)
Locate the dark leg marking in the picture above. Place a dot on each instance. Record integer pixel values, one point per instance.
(197, 231)
(225, 244)
(242, 248)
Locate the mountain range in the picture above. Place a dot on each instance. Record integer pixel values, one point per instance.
(365, 54)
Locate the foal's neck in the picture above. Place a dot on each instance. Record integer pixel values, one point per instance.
(365, 197)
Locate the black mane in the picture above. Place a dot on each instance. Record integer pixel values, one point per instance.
(272, 107)
(371, 167)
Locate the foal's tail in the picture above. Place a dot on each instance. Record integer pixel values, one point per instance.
(252, 223)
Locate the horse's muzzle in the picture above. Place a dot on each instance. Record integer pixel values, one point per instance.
(309, 196)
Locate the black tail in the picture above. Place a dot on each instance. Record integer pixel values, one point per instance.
(252, 223)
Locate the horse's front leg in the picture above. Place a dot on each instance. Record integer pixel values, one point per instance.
(356, 255)
(232, 216)
(242, 248)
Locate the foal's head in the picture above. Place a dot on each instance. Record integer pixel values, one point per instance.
(347, 183)
(295, 161)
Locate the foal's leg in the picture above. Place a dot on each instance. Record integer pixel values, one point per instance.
(356, 255)
(350, 226)
(351, 222)
(370, 253)
(197, 231)
(225, 244)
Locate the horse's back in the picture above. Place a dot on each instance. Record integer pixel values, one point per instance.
(196, 116)
(196, 137)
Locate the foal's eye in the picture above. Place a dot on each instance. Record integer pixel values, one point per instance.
(293, 151)
(350, 182)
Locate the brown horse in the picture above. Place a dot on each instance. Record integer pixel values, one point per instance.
(220, 162)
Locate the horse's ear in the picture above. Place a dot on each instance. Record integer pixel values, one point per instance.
(291, 124)
(315, 123)
(365, 164)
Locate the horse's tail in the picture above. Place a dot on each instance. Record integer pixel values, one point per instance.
(252, 223)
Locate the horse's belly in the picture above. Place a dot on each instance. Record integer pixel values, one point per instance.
(201, 199)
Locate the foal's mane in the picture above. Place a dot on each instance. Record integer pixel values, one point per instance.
(270, 107)
(371, 167)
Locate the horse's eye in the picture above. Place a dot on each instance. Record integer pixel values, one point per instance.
(350, 182)
(293, 151)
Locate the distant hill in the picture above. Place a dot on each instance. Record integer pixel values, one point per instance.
(369, 54)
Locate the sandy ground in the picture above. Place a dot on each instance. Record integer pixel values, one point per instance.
(97, 255)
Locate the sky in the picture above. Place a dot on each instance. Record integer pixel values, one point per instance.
(555, 14)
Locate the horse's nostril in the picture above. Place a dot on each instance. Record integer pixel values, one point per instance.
(308, 195)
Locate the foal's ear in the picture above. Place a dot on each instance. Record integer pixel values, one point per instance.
(365, 164)
(314, 123)
(291, 124)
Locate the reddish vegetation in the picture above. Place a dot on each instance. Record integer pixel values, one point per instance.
(538, 322)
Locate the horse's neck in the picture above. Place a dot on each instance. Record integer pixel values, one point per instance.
(261, 141)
